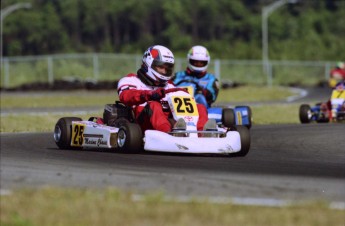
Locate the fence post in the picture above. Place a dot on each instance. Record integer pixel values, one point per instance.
(50, 70)
(269, 74)
(217, 69)
(7, 73)
(327, 70)
(138, 62)
(178, 65)
(95, 67)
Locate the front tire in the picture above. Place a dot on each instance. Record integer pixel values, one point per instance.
(305, 113)
(250, 117)
(245, 141)
(63, 132)
(130, 138)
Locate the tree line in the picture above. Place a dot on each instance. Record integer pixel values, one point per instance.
(230, 29)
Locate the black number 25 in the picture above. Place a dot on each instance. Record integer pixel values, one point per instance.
(186, 101)
(78, 137)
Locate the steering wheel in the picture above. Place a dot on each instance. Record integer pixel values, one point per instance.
(197, 86)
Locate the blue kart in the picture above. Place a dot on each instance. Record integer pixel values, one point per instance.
(227, 117)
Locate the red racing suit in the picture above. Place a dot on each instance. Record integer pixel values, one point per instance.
(151, 112)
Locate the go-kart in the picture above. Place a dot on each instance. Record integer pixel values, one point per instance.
(322, 112)
(240, 115)
(119, 131)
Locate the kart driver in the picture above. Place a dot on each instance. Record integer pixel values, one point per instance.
(196, 71)
(327, 106)
(337, 74)
(145, 92)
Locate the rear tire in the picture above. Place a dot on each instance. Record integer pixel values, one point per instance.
(250, 117)
(304, 113)
(245, 141)
(63, 132)
(228, 117)
(130, 138)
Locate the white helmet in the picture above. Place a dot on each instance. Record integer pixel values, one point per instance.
(158, 56)
(198, 53)
(341, 65)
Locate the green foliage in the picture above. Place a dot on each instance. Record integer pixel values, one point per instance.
(309, 30)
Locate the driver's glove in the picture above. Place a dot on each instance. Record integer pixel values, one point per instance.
(156, 95)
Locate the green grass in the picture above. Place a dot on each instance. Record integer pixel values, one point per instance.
(30, 123)
(253, 93)
(264, 114)
(57, 99)
(54, 206)
(276, 114)
(94, 98)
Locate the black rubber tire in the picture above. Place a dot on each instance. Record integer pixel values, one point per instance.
(304, 111)
(250, 116)
(228, 117)
(63, 132)
(245, 141)
(130, 138)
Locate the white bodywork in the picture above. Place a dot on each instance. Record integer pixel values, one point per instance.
(93, 135)
(163, 142)
(99, 136)
(194, 143)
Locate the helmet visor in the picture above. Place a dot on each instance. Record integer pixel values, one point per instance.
(163, 68)
(198, 63)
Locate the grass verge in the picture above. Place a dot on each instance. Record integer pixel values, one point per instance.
(45, 123)
(32, 123)
(272, 114)
(54, 206)
(92, 98)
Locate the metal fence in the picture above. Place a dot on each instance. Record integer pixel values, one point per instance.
(16, 71)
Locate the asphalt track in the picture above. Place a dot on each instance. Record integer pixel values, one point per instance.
(294, 162)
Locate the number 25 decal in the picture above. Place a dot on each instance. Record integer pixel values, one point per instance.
(77, 135)
(185, 106)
